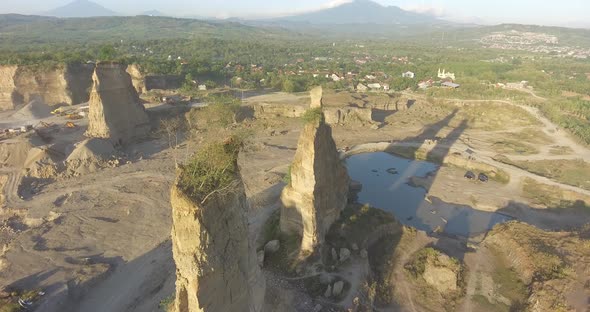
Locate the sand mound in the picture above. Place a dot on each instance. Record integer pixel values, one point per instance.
(92, 149)
(13, 152)
(36, 109)
(91, 155)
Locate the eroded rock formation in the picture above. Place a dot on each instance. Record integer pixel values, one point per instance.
(136, 78)
(318, 190)
(61, 85)
(348, 115)
(316, 97)
(216, 268)
(115, 112)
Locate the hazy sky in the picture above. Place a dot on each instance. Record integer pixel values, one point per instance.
(545, 12)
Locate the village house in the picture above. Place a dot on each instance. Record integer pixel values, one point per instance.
(361, 87)
(408, 74)
(450, 85)
(374, 86)
(425, 84)
(445, 75)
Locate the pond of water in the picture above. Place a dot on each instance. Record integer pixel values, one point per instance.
(385, 185)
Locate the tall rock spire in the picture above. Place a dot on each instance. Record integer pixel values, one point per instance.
(216, 266)
(318, 188)
(115, 111)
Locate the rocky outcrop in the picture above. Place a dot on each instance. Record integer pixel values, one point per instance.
(318, 189)
(115, 112)
(347, 115)
(216, 266)
(271, 110)
(60, 85)
(316, 97)
(7, 87)
(137, 78)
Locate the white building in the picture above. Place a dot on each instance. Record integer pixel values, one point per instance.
(361, 87)
(408, 74)
(445, 75)
(374, 86)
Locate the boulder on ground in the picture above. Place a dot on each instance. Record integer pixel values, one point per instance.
(337, 289)
(328, 292)
(272, 246)
(344, 254)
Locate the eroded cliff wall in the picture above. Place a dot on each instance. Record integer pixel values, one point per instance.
(67, 84)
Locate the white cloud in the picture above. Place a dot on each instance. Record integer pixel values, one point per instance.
(333, 4)
(426, 9)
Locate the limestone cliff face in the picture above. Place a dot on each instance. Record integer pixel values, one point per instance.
(115, 112)
(216, 266)
(7, 87)
(347, 115)
(137, 78)
(318, 189)
(62, 85)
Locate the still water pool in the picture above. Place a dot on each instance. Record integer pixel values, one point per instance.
(385, 185)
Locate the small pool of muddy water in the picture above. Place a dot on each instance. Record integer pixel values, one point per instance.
(385, 180)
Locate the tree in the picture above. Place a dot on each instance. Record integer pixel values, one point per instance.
(107, 53)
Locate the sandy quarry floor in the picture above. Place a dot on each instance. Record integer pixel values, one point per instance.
(100, 242)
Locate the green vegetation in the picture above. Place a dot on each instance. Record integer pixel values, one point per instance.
(212, 170)
(514, 148)
(418, 265)
(571, 172)
(10, 304)
(287, 177)
(357, 222)
(167, 304)
(508, 284)
(313, 115)
(560, 150)
(530, 135)
(483, 304)
(222, 112)
(550, 196)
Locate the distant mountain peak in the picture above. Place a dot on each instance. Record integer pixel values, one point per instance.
(80, 8)
(362, 12)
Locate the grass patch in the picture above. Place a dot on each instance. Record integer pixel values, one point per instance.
(212, 170)
(483, 304)
(514, 148)
(560, 150)
(11, 304)
(411, 152)
(549, 196)
(221, 112)
(313, 115)
(529, 135)
(287, 177)
(167, 304)
(356, 223)
(575, 172)
(382, 263)
(284, 260)
(492, 116)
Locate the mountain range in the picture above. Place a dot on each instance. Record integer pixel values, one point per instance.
(80, 8)
(355, 12)
(362, 12)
